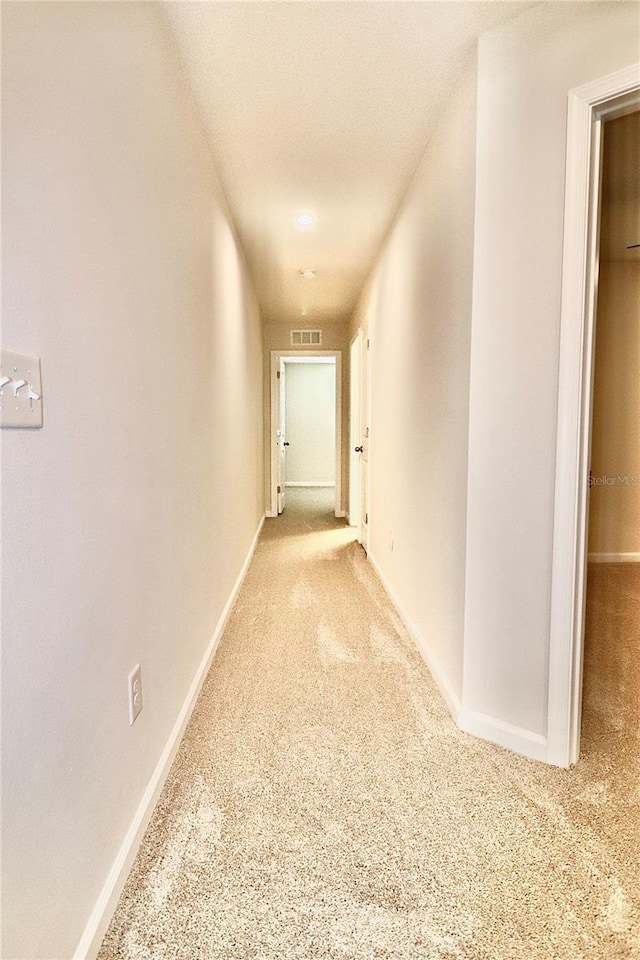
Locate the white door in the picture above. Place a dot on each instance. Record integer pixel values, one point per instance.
(363, 537)
(355, 432)
(281, 437)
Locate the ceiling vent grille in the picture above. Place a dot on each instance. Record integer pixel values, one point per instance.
(306, 338)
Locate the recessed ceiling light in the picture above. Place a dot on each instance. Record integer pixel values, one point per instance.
(308, 274)
(305, 220)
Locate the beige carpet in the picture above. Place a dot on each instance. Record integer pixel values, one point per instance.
(324, 805)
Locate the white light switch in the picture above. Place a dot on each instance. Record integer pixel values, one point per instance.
(20, 390)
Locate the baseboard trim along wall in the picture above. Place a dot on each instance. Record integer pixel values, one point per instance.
(104, 909)
(442, 681)
(480, 725)
(310, 483)
(614, 558)
(524, 742)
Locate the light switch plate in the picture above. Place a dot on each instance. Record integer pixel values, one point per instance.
(20, 390)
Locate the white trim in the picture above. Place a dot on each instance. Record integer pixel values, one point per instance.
(364, 536)
(614, 558)
(579, 276)
(354, 495)
(310, 483)
(518, 739)
(306, 358)
(299, 356)
(532, 745)
(442, 681)
(107, 901)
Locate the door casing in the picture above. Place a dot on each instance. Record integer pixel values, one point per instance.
(281, 430)
(360, 435)
(365, 420)
(589, 106)
(355, 430)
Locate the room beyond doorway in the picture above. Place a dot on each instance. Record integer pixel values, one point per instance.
(305, 424)
(611, 664)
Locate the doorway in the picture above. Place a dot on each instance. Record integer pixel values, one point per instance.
(611, 669)
(591, 108)
(306, 424)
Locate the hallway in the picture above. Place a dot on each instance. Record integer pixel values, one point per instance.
(323, 803)
(379, 764)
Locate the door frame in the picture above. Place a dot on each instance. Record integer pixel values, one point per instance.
(365, 414)
(276, 356)
(589, 106)
(360, 345)
(355, 437)
(281, 455)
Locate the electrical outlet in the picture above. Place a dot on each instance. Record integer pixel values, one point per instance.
(135, 693)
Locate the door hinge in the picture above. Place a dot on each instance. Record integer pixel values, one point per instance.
(366, 518)
(279, 489)
(368, 344)
(277, 374)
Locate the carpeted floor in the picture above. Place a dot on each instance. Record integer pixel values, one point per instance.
(324, 806)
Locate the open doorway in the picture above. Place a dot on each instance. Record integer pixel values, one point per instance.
(611, 668)
(306, 425)
(591, 109)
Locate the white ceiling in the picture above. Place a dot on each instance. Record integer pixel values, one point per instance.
(324, 107)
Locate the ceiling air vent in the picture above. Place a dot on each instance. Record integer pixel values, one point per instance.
(306, 338)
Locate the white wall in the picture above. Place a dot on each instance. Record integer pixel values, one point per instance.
(525, 70)
(127, 518)
(418, 311)
(310, 406)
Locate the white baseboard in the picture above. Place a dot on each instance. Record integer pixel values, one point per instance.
(532, 745)
(309, 483)
(107, 902)
(341, 514)
(614, 558)
(270, 513)
(442, 681)
(504, 734)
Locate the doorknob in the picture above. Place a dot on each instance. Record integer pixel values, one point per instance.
(286, 444)
(358, 449)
